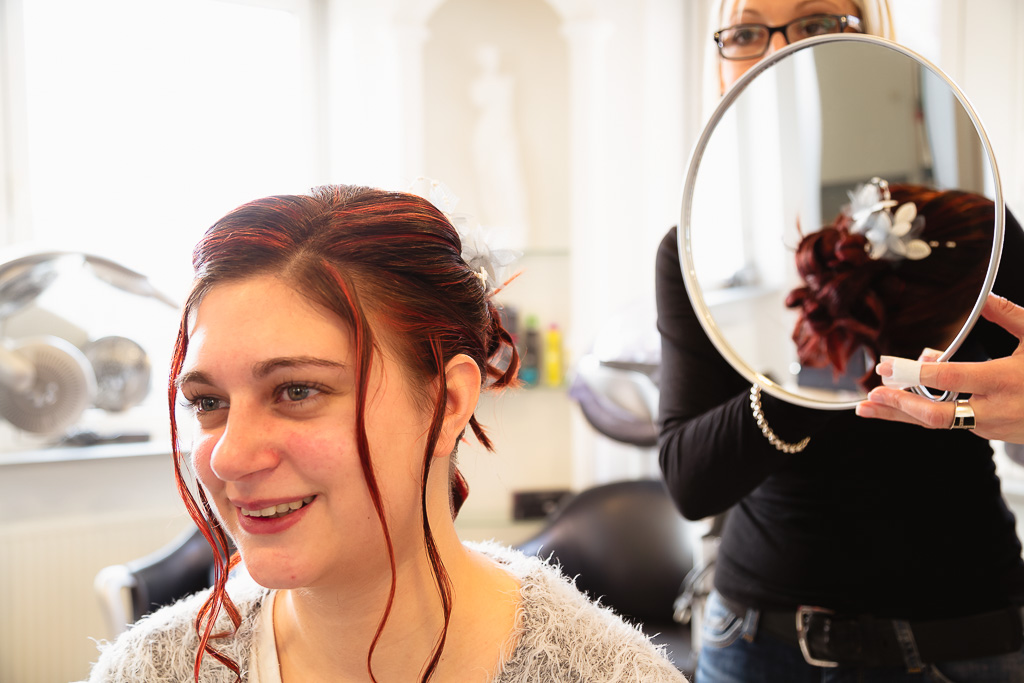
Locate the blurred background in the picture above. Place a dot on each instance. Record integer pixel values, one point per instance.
(127, 127)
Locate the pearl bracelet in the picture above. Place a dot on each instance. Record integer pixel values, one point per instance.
(762, 423)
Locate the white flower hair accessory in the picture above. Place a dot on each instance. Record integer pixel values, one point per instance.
(490, 265)
(891, 236)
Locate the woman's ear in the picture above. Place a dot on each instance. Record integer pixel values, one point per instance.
(463, 384)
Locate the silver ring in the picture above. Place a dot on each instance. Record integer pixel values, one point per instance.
(963, 415)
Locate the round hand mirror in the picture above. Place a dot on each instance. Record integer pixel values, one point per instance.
(813, 137)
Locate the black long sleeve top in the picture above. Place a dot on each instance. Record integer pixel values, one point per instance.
(873, 517)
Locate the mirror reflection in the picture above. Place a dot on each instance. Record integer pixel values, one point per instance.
(841, 205)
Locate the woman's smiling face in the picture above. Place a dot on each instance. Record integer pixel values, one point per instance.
(271, 380)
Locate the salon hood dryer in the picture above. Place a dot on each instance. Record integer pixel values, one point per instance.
(616, 383)
(45, 384)
(59, 362)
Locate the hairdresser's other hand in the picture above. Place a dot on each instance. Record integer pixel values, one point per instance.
(996, 387)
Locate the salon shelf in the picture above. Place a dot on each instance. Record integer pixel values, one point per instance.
(545, 252)
(497, 529)
(728, 295)
(82, 453)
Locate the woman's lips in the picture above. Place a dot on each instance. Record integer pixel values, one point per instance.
(273, 518)
(276, 510)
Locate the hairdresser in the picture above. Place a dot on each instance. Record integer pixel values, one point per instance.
(889, 544)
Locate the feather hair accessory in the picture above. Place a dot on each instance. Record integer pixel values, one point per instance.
(891, 236)
(491, 266)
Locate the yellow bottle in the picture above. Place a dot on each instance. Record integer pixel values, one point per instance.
(552, 357)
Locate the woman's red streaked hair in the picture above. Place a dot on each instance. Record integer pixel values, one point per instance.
(370, 256)
(849, 302)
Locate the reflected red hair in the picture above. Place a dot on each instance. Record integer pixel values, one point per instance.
(850, 302)
(367, 255)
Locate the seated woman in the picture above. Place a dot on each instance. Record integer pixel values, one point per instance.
(332, 352)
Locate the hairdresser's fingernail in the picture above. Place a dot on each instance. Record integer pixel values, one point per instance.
(862, 410)
(930, 354)
(905, 373)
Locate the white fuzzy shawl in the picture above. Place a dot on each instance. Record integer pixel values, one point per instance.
(562, 637)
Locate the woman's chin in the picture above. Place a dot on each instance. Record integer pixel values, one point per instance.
(275, 572)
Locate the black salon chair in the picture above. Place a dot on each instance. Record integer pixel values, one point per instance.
(626, 544)
(130, 591)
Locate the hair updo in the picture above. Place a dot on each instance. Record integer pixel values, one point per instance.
(850, 303)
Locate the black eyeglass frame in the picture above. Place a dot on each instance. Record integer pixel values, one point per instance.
(845, 21)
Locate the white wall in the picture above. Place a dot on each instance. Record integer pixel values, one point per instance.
(977, 43)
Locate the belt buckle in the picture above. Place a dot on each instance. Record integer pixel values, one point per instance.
(804, 615)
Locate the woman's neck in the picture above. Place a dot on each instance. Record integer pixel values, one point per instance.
(326, 633)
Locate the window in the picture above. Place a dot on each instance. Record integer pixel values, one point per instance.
(137, 123)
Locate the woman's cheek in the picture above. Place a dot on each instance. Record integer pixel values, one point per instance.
(732, 70)
(202, 448)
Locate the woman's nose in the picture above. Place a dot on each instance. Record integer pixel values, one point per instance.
(245, 447)
(776, 42)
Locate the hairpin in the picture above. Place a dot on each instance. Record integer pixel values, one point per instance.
(890, 235)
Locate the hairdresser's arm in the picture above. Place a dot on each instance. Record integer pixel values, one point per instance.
(997, 386)
(710, 449)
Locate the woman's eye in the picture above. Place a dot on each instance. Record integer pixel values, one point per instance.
(294, 393)
(206, 404)
(297, 393)
(744, 37)
(817, 26)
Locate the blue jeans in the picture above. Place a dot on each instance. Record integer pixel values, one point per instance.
(733, 652)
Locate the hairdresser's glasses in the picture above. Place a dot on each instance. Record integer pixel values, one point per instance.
(750, 41)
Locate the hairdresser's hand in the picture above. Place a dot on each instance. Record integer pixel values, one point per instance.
(996, 386)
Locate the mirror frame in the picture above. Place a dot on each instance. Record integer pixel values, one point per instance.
(684, 233)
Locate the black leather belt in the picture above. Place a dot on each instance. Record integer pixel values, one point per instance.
(829, 639)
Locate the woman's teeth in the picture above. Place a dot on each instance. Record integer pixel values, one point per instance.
(278, 510)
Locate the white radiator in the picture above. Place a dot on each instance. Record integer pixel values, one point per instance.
(50, 616)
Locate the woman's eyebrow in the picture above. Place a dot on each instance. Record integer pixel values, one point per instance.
(193, 376)
(819, 6)
(264, 368)
(747, 16)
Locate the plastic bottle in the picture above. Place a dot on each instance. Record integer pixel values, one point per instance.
(529, 370)
(553, 357)
(510, 321)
